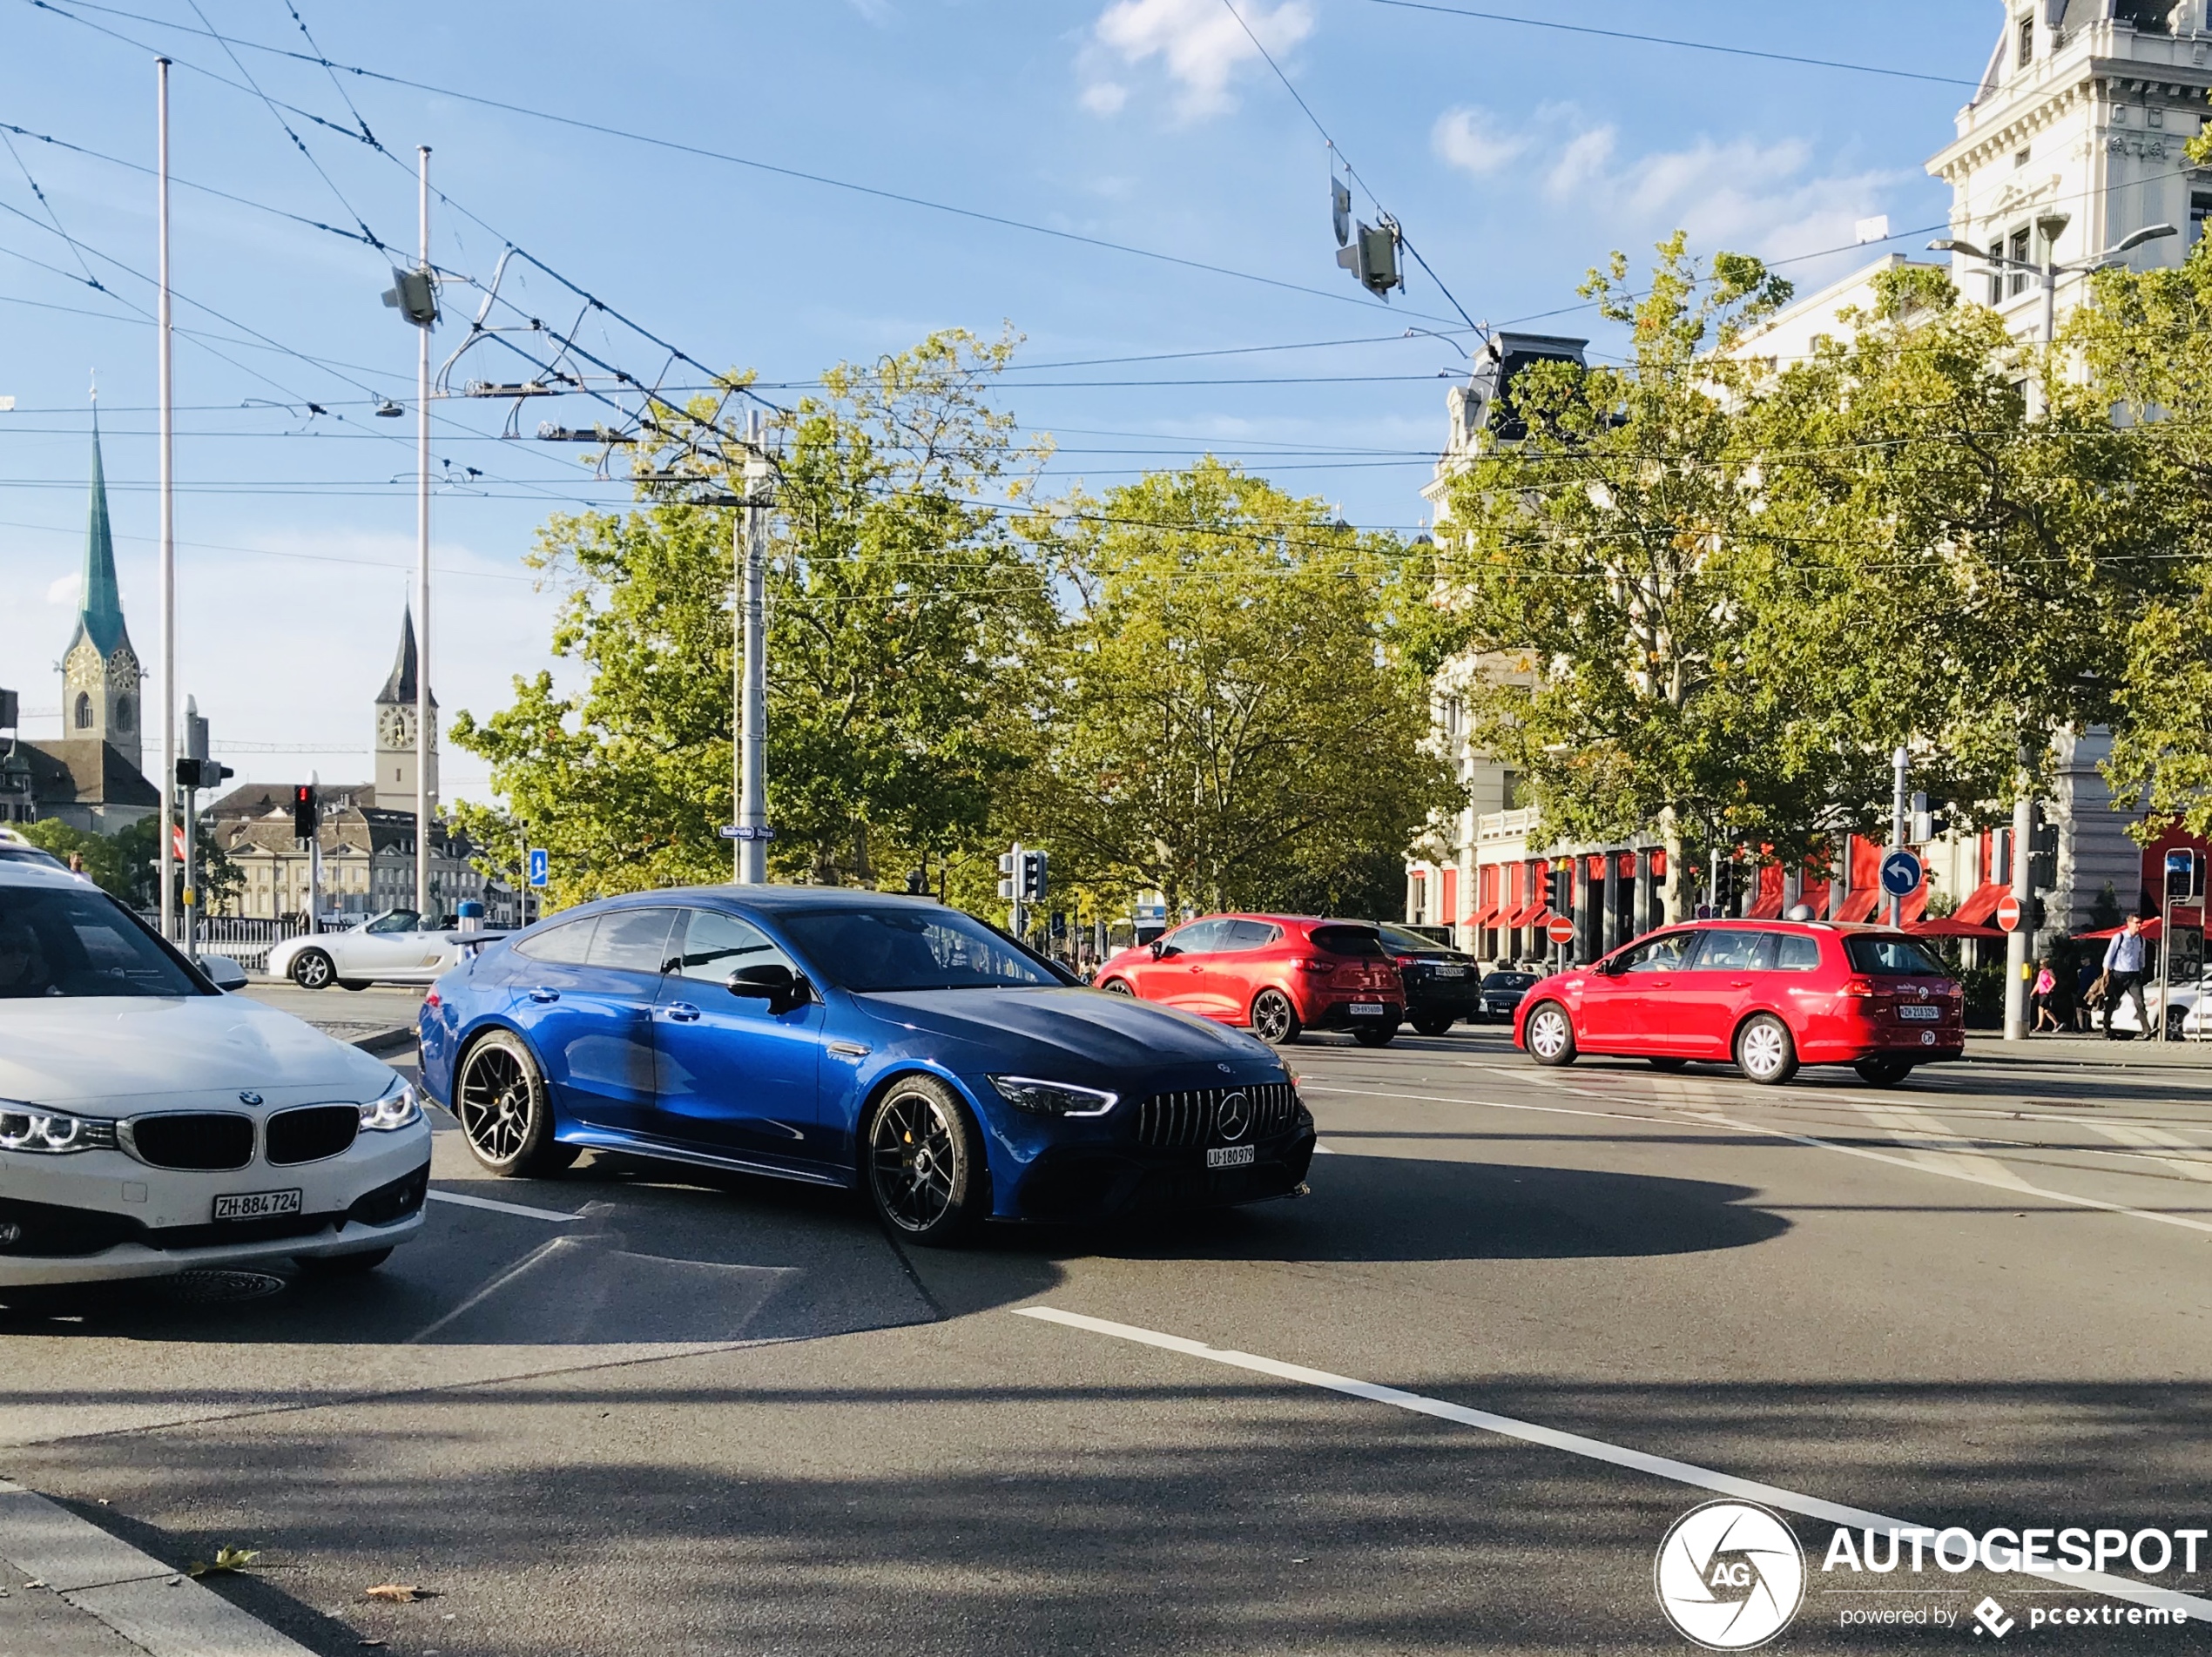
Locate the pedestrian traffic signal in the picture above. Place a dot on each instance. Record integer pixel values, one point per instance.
(1032, 877)
(303, 812)
(1010, 874)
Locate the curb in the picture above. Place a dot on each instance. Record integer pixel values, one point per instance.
(156, 1608)
(382, 1044)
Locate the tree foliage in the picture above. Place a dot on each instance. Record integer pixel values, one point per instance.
(122, 863)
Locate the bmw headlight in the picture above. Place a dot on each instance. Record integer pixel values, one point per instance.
(1053, 1098)
(53, 1133)
(398, 1107)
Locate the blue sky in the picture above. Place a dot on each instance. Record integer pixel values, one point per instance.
(1515, 157)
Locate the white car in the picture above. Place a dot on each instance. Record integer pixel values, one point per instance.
(2189, 1016)
(394, 947)
(150, 1124)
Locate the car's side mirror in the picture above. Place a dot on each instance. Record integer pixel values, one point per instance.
(1162, 949)
(774, 983)
(223, 973)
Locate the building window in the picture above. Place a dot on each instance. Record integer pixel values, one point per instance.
(2018, 284)
(2200, 210)
(123, 714)
(2027, 41)
(84, 712)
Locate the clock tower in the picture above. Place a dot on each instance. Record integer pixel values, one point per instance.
(393, 747)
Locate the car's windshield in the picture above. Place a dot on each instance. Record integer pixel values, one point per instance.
(902, 948)
(78, 942)
(1509, 980)
(1881, 957)
(1407, 943)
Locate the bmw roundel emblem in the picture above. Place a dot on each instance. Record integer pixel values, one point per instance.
(1234, 1116)
(249, 1097)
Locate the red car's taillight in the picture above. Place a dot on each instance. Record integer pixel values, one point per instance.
(1860, 988)
(1313, 964)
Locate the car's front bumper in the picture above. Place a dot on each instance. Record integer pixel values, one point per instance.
(1082, 1184)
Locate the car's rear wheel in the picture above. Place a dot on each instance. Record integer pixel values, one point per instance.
(1274, 1020)
(1883, 1072)
(1375, 1035)
(353, 983)
(1433, 1023)
(342, 1265)
(1764, 1052)
(505, 1113)
(2174, 1015)
(1549, 1034)
(1117, 987)
(311, 970)
(925, 1164)
(1670, 1065)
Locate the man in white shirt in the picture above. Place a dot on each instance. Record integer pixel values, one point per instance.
(2124, 957)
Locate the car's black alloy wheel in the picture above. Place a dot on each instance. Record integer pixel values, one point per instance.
(1883, 1071)
(925, 1164)
(1274, 1020)
(1117, 987)
(499, 1099)
(311, 970)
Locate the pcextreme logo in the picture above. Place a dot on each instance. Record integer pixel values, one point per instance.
(1729, 1575)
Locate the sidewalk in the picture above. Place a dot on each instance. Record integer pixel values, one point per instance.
(1986, 1047)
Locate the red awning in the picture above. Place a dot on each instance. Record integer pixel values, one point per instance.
(1915, 907)
(1484, 917)
(1534, 912)
(2154, 929)
(1814, 896)
(1983, 904)
(1950, 927)
(1860, 904)
(1769, 907)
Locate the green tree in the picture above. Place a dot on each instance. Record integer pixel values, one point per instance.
(122, 863)
(1231, 724)
(904, 616)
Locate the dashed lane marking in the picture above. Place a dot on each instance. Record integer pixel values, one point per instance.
(1574, 1443)
(517, 1209)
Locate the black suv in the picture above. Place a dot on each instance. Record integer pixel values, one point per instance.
(1441, 983)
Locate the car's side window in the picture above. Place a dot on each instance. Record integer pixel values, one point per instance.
(715, 945)
(566, 945)
(1795, 952)
(1249, 935)
(404, 921)
(1200, 938)
(632, 940)
(1729, 951)
(1660, 954)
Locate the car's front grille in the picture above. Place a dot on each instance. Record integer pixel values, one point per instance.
(1173, 1120)
(311, 1134)
(204, 1139)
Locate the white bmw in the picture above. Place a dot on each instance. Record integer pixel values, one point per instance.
(150, 1124)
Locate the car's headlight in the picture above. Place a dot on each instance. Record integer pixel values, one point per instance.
(398, 1109)
(1053, 1098)
(54, 1133)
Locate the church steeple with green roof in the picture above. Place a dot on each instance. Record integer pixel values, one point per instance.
(101, 673)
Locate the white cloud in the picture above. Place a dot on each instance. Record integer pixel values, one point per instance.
(1470, 140)
(1200, 43)
(64, 592)
(1105, 97)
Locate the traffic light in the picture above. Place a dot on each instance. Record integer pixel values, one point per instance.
(1009, 870)
(303, 812)
(1032, 877)
(1374, 258)
(202, 773)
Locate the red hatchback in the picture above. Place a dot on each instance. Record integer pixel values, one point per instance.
(1769, 996)
(1281, 974)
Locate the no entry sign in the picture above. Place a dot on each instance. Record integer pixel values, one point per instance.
(1562, 930)
(2008, 912)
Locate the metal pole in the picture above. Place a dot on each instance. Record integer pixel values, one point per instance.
(314, 858)
(195, 750)
(2165, 952)
(1018, 922)
(163, 333)
(2016, 943)
(753, 696)
(1899, 805)
(422, 563)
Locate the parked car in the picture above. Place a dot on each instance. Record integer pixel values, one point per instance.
(848, 1038)
(2184, 1005)
(1443, 984)
(395, 948)
(1768, 995)
(1280, 974)
(18, 848)
(150, 1124)
(1502, 992)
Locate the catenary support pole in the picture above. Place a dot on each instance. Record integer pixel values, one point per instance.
(422, 799)
(752, 701)
(2017, 942)
(163, 358)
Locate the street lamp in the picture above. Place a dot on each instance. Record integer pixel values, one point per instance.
(2051, 226)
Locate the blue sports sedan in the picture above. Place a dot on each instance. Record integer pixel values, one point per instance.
(853, 1038)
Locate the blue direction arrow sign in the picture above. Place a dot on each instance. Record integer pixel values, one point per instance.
(1901, 873)
(541, 865)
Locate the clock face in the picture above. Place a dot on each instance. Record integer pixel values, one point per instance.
(398, 728)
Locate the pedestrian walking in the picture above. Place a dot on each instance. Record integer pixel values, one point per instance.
(2042, 992)
(2124, 957)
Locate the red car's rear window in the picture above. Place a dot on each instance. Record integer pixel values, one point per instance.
(1347, 941)
(1889, 958)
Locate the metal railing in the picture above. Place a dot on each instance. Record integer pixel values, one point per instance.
(245, 939)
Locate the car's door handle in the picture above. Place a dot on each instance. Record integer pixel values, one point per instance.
(1739, 983)
(683, 1013)
(545, 995)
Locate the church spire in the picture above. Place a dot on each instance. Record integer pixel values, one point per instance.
(100, 610)
(400, 687)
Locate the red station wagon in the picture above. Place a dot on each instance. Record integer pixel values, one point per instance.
(1281, 974)
(1769, 995)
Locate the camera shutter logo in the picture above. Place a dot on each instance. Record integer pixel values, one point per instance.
(1729, 1575)
(1234, 1116)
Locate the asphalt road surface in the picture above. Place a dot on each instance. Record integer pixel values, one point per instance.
(626, 1411)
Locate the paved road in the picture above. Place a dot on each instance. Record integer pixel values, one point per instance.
(632, 1413)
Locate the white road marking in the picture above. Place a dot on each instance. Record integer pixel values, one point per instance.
(1574, 1443)
(1712, 1118)
(459, 1201)
(1938, 1148)
(1320, 1149)
(2128, 1134)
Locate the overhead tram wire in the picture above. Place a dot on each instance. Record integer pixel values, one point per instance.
(1405, 241)
(70, 8)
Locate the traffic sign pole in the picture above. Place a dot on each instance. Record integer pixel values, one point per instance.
(2016, 946)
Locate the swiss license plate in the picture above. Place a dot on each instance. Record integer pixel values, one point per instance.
(1451, 972)
(1366, 1010)
(256, 1205)
(1231, 1156)
(1919, 1012)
